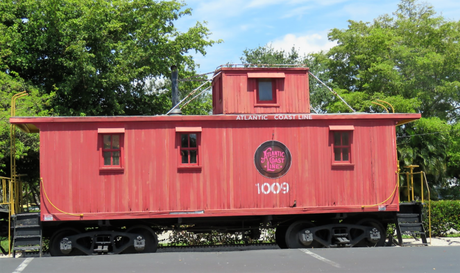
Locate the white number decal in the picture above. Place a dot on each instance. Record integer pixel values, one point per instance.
(266, 190)
(274, 188)
(276, 191)
(285, 187)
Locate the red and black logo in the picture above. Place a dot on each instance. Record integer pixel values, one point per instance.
(272, 159)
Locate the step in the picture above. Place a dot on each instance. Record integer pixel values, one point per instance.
(26, 219)
(26, 241)
(27, 236)
(25, 248)
(28, 226)
(409, 215)
(27, 231)
(418, 227)
(408, 218)
(413, 207)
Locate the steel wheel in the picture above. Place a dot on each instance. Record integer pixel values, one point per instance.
(59, 237)
(293, 234)
(377, 232)
(146, 233)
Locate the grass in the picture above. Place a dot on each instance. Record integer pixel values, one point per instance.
(4, 244)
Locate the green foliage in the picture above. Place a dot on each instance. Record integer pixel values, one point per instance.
(268, 55)
(412, 55)
(97, 55)
(187, 238)
(27, 145)
(319, 95)
(453, 153)
(425, 143)
(445, 215)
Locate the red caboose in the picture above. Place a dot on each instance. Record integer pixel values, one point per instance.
(262, 157)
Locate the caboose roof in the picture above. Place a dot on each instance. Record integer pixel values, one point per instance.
(32, 124)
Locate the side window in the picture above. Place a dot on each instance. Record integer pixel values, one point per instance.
(189, 148)
(342, 146)
(267, 87)
(341, 141)
(111, 148)
(266, 91)
(188, 144)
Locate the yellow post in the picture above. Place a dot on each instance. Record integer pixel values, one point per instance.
(408, 186)
(421, 183)
(3, 191)
(6, 200)
(412, 183)
(10, 213)
(411, 167)
(12, 200)
(17, 192)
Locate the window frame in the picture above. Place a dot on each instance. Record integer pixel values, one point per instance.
(188, 130)
(341, 129)
(111, 131)
(276, 78)
(274, 91)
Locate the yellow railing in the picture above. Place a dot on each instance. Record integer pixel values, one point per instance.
(8, 200)
(12, 186)
(410, 190)
(14, 176)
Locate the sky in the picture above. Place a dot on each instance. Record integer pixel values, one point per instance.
(304, 24)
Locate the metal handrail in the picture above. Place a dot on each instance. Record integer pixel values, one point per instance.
(411, 194)
(14, 187)
(8, 199)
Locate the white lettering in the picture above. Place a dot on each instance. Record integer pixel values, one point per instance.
(274, 188)
(285, 187)
(275, 117)
(276, 191)
(304, 116)
(285, 117)
(267, 190)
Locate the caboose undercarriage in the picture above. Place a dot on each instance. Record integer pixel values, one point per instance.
(292, 231)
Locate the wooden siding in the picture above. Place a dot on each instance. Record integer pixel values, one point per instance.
(151, 184)
(239, 94)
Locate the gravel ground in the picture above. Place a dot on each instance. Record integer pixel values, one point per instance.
(438, 241)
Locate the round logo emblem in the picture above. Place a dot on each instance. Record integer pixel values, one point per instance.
(272, 159)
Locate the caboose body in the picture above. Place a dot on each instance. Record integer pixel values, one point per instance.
(262, 157)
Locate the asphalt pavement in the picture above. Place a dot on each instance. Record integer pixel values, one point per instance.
(375, 260)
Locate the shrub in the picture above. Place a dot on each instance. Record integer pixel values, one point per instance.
(445, 215)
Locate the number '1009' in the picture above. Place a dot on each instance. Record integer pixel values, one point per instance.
(274, 188)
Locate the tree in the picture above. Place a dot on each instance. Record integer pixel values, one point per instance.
(27, 145)
(97, 55)
(268, 55)
(409, 60)
(411, 55)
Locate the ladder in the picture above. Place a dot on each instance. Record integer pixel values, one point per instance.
(409, 221)
(27, 235)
